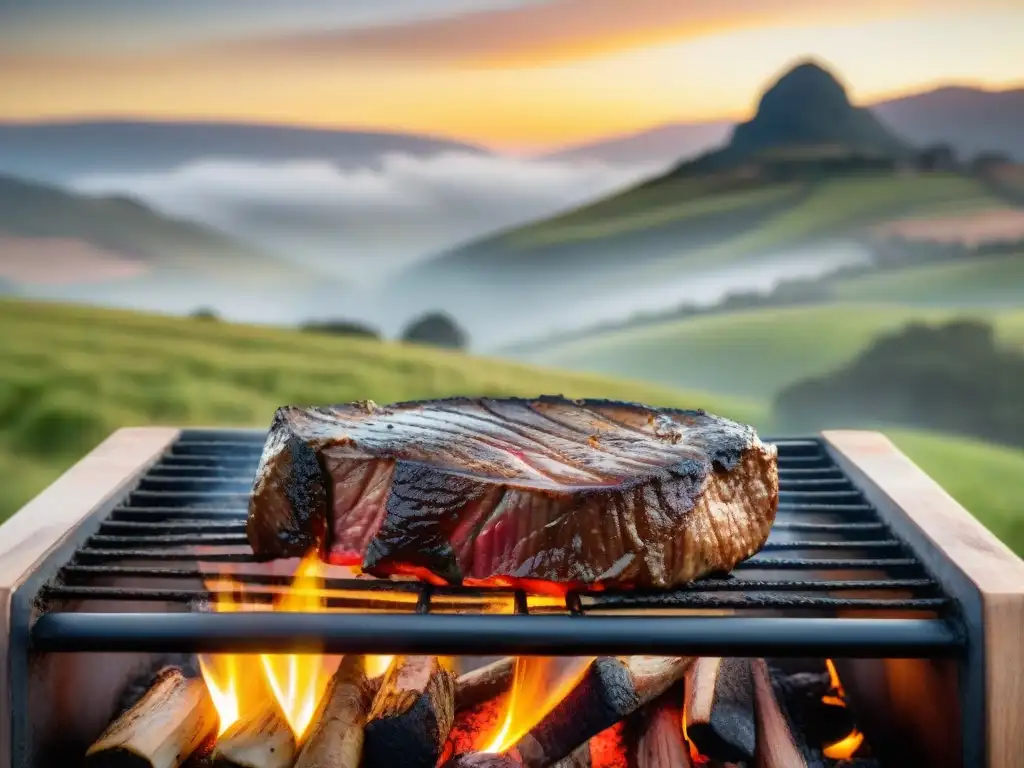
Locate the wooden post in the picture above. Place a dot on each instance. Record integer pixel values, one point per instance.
(50, 519)
(974, 567)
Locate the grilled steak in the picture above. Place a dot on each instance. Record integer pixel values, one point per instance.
(547, 494)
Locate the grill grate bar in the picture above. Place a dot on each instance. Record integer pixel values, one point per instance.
(758, 561)
(477, 635)
(380, 602)
(232, 525)
(74, 573)
(155, 543)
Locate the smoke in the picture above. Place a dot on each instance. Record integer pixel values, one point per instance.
(367, 222)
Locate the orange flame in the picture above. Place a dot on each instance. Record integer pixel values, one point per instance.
(298, 681)
(847, 746)
(234, 680)
(695, 754)
(239, 683)
(538, 685)
(376, 666)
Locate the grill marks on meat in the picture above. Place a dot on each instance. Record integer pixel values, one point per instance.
(495, 491)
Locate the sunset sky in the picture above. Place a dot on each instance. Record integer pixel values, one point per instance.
(511, 74)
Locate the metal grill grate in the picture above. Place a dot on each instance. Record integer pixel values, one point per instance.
(833, 580)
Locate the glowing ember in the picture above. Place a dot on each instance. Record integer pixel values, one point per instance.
(538, 685)
(848, 745)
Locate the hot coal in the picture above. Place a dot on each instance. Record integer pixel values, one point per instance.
(512, 491)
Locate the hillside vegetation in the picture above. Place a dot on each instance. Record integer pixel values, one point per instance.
(751, 353)
(132, 231)
(975, 282)
(71, 375)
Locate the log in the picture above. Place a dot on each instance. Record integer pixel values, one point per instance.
(336, 738)
(579, 758)
(484, 683)
(264, 740)
(719, 709)
(171, 721)
(612, 689)
(656, 734)
(411, 714)
(777, 746)
(483, 760)
(816, 711)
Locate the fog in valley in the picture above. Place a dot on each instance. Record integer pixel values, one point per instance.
(351, 234)
(363, 224)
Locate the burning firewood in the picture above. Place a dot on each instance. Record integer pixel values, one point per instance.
(656, 734)
(719, 711)
(484, 683)
(815, 708)
(612, 689)
(336, 738)
(776, 745)
(168, 724)
(580, 758)
(262, 741)
(411, 714)
(483, 760)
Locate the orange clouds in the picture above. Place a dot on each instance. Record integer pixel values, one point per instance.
(557, 32)
(532, 75)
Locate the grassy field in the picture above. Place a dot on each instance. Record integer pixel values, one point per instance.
(750, 354)
(69, 376)
(988, 480)
(981, 282)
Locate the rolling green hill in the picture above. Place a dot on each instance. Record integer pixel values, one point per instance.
(70, 375)
(751, 353)
(129, 230)
(971, 282)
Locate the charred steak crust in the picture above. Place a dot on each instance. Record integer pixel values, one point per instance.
(512, 490)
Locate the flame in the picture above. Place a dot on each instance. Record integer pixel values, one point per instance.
(538, 685)
(378, 665)
(239, 683)
(234, 680)
(695, 755)
(298, 680)
(847, 746)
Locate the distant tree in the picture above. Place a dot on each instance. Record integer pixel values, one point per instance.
(953, 378)
(983, 162)
(341, 328)
(937, 157)
(205, 313)
(436, 329)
